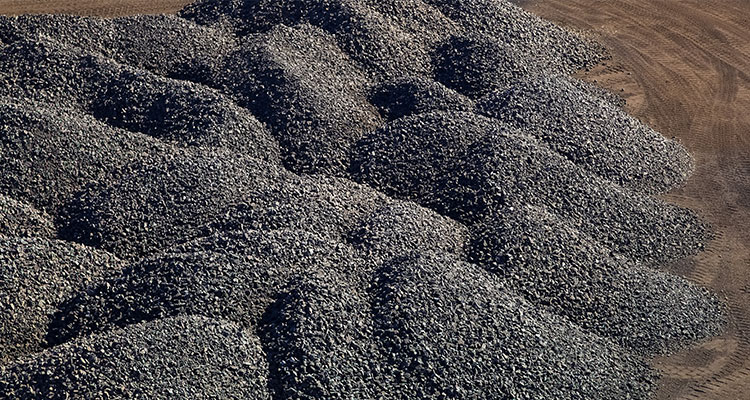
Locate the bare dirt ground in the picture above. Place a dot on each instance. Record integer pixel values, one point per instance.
(104, 8)
(683, 67)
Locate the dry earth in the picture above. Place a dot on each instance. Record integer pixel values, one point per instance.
(683, 67)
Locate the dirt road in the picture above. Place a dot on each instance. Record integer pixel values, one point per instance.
(683, 67)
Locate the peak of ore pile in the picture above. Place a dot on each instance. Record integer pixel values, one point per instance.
(331, 199)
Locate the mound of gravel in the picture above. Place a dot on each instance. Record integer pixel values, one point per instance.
(330, 207)
(318, 338)
(413, 95)
(411, 156)
(591, 131)
(183, 357)
(176, 48)
(451, 330)
(48, 153)
(466, 166)
(506, 168)
(567, 272)
(552, 47)
(307, 90)
(379, 45)
(161, 203)
(36, 275)
(124, 97)
(234, 276)
(477, 65)
(18, 219)
(198, 193)
(402, 227)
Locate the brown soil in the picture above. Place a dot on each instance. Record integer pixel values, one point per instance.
(683, 67)
(103, 8)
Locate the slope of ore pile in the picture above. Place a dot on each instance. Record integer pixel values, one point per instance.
(331, 199)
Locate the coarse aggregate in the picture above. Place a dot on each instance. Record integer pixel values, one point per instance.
(478, 65)
(50, 152)
(233, 276)
(332, 199)
(19, 219)
(415, 95)
(565, 271)
(452, 330)
(465, 166)
(183, 357)
(35, 275)
(591, 131)
(174, 111)
(299, 82)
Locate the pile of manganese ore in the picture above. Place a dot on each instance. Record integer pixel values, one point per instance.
(332, 199)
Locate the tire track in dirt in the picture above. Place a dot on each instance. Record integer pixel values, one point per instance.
(684, 72)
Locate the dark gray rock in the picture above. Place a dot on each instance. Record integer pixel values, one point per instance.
(477, 65)
(591, 131)
(234, 276)
(451, 330)
(567, 272)
(161, 203)
(176, 48)
(36, 275)
(296, 80)
(553, 48)
(401, 227)
(413, 95)
(48, 153)
(318, 336)
(176, 111)
(183, 357)
(18, 219)
(410, 157)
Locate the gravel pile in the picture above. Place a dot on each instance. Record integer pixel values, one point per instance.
(330, 207)
(183, 357)
(35, 275)
(197, 193)
(18, 219)
(592, 132)
(478, 65)
(296, 80)
(451, 330)
(48, 152)
(234, 276)
(163, 202)
(401, 227)
(411, 157)
(557, 267)
(136, 100)
(466, 166)
(176, 48)
(414, 95)
(331, 199)
(319, 341)
(509, 168)
(378, 44)
(552, 47)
